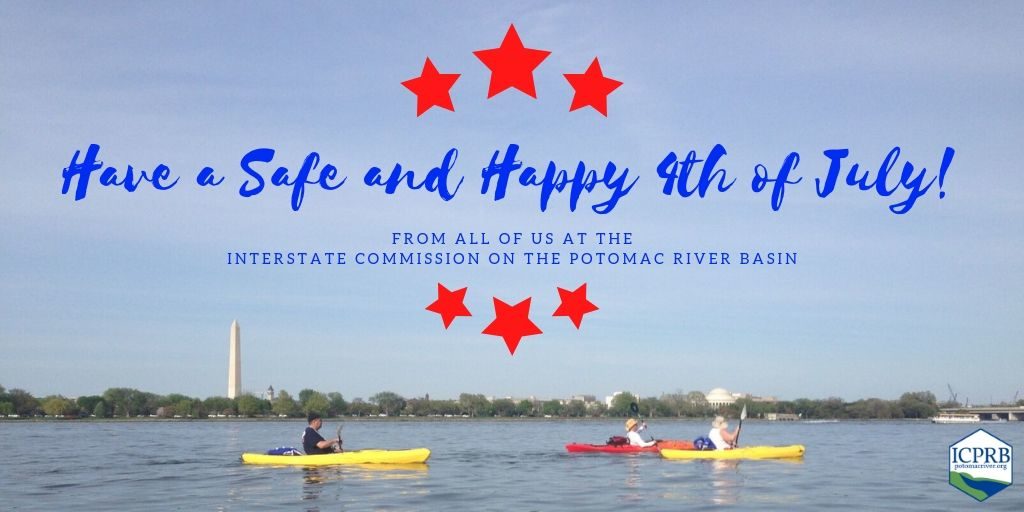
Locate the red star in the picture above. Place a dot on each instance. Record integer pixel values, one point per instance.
(592, 88)
(449, 304)
(432, 89)
(512, 323)
(511, 64)
(574, 304)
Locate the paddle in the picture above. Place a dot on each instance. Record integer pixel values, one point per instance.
(743, 416)
(635, 409)
(339, 438)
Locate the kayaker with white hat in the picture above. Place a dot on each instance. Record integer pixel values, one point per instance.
(633, 434)
(720, 434)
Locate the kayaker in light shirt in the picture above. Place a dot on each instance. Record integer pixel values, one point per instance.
(633, 434)
(720, 434)
(313, 443)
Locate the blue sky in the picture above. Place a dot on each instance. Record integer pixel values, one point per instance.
(132, 290)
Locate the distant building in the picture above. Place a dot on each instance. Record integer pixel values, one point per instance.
(270, 393)
(719, 397)
(584, 398)
(608, 399)
(532, 399)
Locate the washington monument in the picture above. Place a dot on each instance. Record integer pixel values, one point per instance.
(235, 362)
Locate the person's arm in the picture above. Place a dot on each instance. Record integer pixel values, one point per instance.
(326, 443)
(729, 437)
(636, 440)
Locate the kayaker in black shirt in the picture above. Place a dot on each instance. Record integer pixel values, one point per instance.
(313, 443)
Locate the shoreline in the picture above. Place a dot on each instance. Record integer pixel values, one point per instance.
(426, 419)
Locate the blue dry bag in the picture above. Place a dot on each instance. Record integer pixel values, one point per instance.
(703, 443)
(284, 450)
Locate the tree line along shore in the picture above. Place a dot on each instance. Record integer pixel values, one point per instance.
(133, 403)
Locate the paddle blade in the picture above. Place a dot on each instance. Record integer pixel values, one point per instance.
(743, 413)
(634, 408)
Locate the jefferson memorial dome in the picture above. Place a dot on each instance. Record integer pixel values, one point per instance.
(718, 397)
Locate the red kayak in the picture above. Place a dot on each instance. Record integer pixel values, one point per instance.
(608, 448)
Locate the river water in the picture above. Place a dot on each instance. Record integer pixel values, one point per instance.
(482, 465)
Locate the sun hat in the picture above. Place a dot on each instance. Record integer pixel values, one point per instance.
(630, 423)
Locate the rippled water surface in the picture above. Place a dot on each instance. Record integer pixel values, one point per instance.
(481, 465)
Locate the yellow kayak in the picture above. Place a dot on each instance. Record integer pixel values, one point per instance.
(411, 456)
(750, 452)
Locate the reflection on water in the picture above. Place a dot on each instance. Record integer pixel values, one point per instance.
(231, 437)
(632, 472)
(723, 482)
(726, 481)
(315, 479)
(633, 478)
(390, 471)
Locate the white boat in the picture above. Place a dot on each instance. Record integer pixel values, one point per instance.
(952, 417)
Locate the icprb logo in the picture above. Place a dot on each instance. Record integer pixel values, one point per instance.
(980, 465)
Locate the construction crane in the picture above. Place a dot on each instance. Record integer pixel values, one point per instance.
(952, 395)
